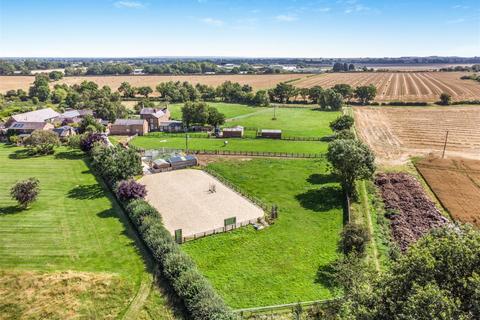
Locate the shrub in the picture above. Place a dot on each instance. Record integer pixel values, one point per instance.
(345, 135)
(129, 190)
(25, 192)
(88, 141)
(445, 99)
(354, 238)
(116, 163)
(344, 122)
(42, 142)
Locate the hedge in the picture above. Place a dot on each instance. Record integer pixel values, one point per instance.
(198, 296)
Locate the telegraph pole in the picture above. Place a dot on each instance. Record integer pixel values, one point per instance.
(445, 145)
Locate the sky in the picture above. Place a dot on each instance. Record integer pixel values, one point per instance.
(248, 28)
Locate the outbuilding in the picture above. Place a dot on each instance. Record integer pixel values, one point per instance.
(271, 134)
(234, 132)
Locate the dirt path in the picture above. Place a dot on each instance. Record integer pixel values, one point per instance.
(139, 300)
(366, 210)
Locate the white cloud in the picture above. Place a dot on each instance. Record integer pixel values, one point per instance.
(459, 6)
(129, 4)
(323, 9)
(286, 18)
(213, 22)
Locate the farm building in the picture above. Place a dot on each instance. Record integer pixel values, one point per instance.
(37, 116)
(160, 164)
(171, 126)
(182, 162)
(29, 127)
(271, 134)
(154, 117)
(65, 132)
(127, 127)
(235, 132)
(73, 116)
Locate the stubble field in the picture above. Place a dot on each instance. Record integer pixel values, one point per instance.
(398, 133)
(456, 183)
(256, 81)
(402, 86)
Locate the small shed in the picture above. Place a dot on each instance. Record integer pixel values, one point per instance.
(160, 164)
(271, 134)
(170, 126)
(235, 132)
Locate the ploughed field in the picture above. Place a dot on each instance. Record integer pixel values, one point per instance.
(402, 86)
(256, 81)
(397, 133)
(456, 183)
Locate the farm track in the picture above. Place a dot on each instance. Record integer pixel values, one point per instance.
(402, 86)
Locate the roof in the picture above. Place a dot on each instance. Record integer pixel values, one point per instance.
(129, 122)
(237, 128)
(62, 131)
(36, 116)
(76, 113)
(176, 159)
(27, 125)
(270, 131)
(152, 111)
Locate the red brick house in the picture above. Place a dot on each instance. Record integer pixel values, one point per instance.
(128, 127)
(154, 117)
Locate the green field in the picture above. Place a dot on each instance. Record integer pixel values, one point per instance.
(230, 110)
(278, 264)
(293, 122)
(75, 226)
(258, 145)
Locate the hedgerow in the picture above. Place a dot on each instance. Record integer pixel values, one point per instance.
(198, 296)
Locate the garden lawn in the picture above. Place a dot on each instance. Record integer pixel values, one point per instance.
(294, 122)
(230, 110)
(156, 141)
(74, 226)
(279, 264)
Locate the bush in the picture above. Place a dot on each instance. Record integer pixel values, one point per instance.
(116, 163)
(129, 190)
(445, 99)
(88, 141)
(344, 122)
(354, 238)
(25, 192)
(42, 142)
(345, 135)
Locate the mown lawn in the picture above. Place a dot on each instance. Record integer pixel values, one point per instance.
(230, 110)
(74, 226)
(294, 122)
(278, 264)
(156, 141)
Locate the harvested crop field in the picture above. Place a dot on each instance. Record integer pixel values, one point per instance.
(397, 133)
(402, 86)
(456, 183)
(185, 202)
(411, 212)
(256, 81)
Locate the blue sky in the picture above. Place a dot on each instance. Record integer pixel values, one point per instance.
(285, 28)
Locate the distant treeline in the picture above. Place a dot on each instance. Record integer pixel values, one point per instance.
(162, 65)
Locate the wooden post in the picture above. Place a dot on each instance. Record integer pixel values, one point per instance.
(445, 145)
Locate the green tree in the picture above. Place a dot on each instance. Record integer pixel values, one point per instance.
(344, 89)
(437, 278)
(90, 124)
(55, 75)
(127, 90)
(351, 160)
(116, 163)
(283, 92)
(42, 142)
(331, 100)
(261, 98)
(25, 192)
(344, 122)
(365, 94)
(315, 93)
(144, 103)
(59, 95)
(214, 117)
(445, 99)
(194, 113)
(144, 91)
